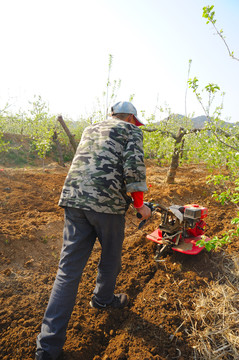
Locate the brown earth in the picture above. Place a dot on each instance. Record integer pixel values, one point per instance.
(153, 326)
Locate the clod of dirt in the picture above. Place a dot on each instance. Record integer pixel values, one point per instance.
(29, 263)
(7, 272)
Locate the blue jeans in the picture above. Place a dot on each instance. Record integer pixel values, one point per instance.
(79, 235)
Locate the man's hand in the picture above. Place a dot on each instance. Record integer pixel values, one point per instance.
(144, 211)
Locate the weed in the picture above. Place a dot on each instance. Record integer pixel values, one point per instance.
(44, 239)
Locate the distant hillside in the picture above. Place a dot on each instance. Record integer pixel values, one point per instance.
(199, 121)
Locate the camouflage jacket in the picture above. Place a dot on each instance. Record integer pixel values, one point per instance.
(109, 162)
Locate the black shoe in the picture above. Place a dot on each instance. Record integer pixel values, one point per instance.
(119, 301)
(42, 355)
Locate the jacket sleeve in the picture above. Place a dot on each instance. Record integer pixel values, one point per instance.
(134, 168)
(138, 197)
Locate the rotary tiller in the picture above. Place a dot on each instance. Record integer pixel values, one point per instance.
(179, 230)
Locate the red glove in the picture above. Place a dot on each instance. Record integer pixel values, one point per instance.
(138, 197)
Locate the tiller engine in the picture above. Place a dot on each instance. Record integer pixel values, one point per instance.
(180, 229)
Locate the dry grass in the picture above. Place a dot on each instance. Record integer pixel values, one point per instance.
(215, 319)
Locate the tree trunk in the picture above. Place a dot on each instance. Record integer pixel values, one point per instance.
(182, 149)
(68, 133)
(173, 167)
(175, 158)
(59, 149)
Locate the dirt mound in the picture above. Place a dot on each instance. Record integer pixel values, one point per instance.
(153, 326)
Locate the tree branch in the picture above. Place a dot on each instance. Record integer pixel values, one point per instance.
(169, 133)
(223, 39)
(208, 13)
(226, 134)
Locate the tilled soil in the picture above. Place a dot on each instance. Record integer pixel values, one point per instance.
(153, 326)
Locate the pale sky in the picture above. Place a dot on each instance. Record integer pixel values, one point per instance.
(59, 49)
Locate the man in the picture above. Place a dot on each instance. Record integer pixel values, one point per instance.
(107, 165)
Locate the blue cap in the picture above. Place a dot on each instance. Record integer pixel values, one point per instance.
(125, 107)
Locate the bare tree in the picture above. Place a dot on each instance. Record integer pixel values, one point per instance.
(68, 133)
(178, 138)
